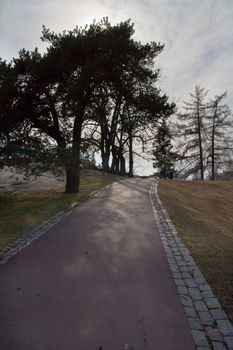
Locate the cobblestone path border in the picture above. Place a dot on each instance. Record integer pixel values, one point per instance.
(209, 324)
(14, 247)
(23, 241)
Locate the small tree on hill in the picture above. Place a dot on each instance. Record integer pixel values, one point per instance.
(219, 127)
(164, 157)
(191, 131)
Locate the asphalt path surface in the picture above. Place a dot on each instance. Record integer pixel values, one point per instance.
(99, 279)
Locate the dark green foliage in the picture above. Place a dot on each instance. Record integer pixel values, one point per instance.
(95, 75)
(164, 157)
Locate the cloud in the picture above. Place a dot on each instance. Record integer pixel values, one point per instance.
(198, 34)
(201, 50)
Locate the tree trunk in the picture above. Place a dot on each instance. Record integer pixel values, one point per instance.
(213, 150)
(130, 154)
(122, 164)
(71, 166)
(200, 145)
(117, 165)
(73, 161)
(212, 161)
(113, 165)
(164, 171)
(105, 161)
(72, 177)
(105, 147)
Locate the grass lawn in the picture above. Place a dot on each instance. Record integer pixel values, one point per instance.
(20, 213)
(203, 215)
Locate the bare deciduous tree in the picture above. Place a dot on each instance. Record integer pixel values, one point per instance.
(219, 121)
(190, 130)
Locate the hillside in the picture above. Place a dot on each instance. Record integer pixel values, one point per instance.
(203, 215)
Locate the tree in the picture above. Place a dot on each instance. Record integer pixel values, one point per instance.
(125, 106)
(191, 131)
(57, 90)
(7, 100)
(164, 157)
(219, 121)
(14, 132)
(86, 76)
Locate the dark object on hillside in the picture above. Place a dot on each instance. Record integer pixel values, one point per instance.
(170, 174)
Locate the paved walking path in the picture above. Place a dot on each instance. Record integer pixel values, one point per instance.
(99, 279)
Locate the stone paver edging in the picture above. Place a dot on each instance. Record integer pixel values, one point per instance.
(23, 241)
(210, 326)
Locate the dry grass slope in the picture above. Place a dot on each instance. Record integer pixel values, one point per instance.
(203, 215)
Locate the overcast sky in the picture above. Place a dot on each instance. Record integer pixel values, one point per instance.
(198, 34)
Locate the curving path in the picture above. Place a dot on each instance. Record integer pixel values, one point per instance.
(97, 280)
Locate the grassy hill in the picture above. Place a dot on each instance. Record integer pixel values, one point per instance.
(203, 215)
